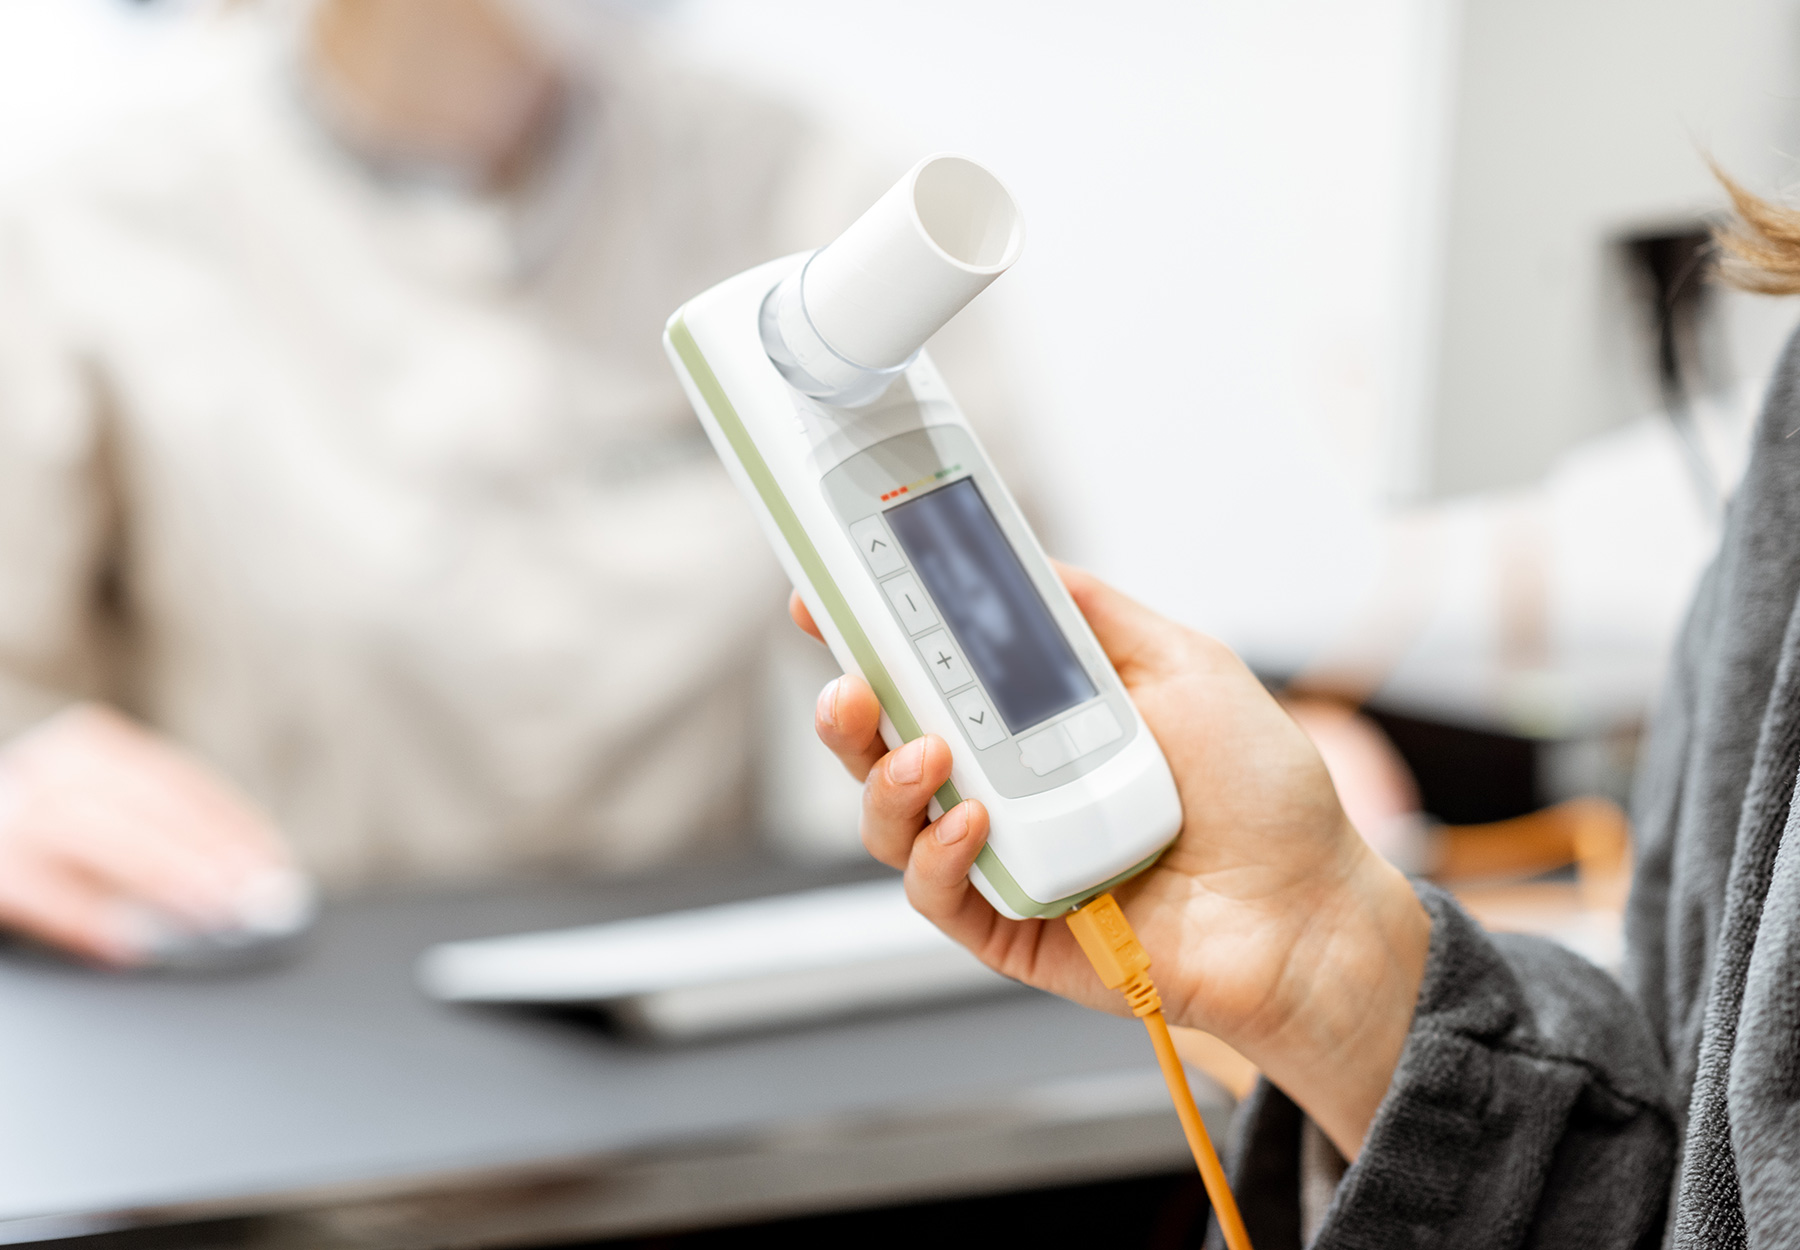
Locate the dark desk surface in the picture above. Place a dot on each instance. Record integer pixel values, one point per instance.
(326, 1102)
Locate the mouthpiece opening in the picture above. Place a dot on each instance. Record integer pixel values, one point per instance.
(967, 214)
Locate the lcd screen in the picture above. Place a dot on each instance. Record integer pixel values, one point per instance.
(1007, 633)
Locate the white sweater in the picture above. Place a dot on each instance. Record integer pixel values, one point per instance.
(383, 498)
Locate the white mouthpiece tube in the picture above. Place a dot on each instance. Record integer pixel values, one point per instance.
(863, 306)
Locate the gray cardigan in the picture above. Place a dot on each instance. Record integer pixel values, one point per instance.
(1539, 1104)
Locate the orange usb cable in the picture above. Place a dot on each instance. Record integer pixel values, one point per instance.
(1120, 959)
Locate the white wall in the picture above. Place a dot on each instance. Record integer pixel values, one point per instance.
(1291, 259)
(1574, 123)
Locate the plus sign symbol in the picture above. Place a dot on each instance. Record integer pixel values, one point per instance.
(944, 659)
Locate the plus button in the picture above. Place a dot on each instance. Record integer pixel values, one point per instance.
(946, 666)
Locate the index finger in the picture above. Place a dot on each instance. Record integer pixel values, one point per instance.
(801, 616)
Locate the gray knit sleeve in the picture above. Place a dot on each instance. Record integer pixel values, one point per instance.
(1528, 1109)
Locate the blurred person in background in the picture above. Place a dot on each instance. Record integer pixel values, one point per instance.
(352, 525)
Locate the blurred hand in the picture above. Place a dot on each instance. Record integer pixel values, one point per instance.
(113, 844)
(1372, 780)
(1270, 922)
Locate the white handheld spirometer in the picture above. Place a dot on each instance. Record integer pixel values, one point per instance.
(809, 376)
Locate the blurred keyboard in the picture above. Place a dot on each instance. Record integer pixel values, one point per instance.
(767, 963)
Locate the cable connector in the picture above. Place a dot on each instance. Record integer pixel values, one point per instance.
(1121, 960)
(1106, 938)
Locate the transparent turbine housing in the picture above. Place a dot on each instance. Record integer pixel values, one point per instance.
(806, 360)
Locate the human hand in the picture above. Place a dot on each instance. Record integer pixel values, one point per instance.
(1270, 922)
(116, 846)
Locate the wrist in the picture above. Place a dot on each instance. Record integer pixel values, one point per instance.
(1355, 974)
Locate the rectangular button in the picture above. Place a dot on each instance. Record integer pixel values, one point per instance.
(1047, 751)
(877, 546)
(1093, 729)
(978, 719)
(909, 601)
(944, 663)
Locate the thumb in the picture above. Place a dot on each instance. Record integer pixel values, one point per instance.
(1132, 636)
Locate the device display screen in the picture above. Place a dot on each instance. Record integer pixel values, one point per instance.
(1006, 631)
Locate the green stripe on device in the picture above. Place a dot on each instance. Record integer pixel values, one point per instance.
(873, 669)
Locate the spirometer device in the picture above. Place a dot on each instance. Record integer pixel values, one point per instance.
(810, 376)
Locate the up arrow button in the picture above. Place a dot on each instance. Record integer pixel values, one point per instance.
(877, 546)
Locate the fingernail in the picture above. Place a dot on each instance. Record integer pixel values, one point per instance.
(134, 934)
(147, 934)
(827, 709)
(276, 903)
(954, 826)
(907, 765)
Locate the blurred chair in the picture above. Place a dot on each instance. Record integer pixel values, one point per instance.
(1498, 872)
(1590, 835)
